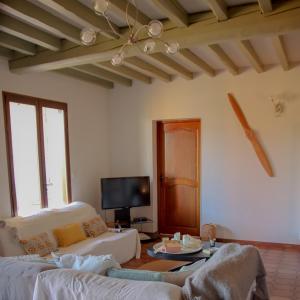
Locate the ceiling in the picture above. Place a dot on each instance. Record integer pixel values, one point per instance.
(214, 36)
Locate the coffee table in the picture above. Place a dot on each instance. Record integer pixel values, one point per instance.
(192, 257)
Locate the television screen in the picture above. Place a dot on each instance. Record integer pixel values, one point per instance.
(125, 192)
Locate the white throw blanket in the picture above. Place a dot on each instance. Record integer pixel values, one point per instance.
(229, 275)
(88, 263)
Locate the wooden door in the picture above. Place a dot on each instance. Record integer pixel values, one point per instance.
(178, 151)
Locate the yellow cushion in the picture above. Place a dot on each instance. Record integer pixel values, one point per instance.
(69, 234)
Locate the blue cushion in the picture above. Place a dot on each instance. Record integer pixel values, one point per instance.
(141, 275)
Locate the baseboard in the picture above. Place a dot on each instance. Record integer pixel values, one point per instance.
(269, 245)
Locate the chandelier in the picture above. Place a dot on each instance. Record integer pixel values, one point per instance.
(153, 29)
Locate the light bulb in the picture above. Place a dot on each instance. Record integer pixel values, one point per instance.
(117, 59)
(155, 28)
(88, 36)
(101, 6)
(172, 48)
(149, 46)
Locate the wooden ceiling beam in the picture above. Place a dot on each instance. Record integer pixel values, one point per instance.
(85, 77)
(248, 50)
(173, 11)
(39, 17)
(120, 6)
(125, 71)
(167, 61)
(30, 34)
(225, 59)
(242, 25)
(147, 68)
(6, 52)
(14, 43)
(265, 6)
(279, 47)
(196, 60)
(81, 14)
(219, 9)
(96, 71)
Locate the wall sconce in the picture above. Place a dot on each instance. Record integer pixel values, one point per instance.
(279, 106)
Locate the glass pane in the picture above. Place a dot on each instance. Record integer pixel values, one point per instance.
(25, 157)
(55, 157)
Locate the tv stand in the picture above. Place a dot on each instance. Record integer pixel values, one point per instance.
(122, 217)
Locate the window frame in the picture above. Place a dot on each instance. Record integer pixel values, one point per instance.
(38, 103)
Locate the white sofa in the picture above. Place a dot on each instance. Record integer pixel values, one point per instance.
(228, 275)
(123, 246)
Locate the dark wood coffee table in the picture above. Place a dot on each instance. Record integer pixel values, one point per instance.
(193, 257)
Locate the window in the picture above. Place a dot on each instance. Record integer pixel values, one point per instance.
(38, 153)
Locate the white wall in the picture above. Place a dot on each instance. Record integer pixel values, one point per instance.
(88, 129)
(236, 193)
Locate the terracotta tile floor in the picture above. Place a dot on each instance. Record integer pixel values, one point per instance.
(283, 269)
(282, 265)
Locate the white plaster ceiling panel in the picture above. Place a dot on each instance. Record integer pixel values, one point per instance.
(207, 55)
(193, 6)
(161, 66)
(235, 54)
(56, 13)
(187, 63)
(264, 49)
(149, 9)
(292, 46)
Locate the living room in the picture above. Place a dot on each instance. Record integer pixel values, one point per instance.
(114, 116)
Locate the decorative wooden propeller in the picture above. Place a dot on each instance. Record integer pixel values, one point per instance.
(251, 136)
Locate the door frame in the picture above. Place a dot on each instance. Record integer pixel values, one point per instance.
(158, 141)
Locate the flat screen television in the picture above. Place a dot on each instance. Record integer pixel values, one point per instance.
(125, 192)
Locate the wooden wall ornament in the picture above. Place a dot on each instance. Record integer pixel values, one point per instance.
(261, 154)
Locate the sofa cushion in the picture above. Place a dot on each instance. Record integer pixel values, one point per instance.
(69, 234)
(17, 278)
(73, 285)
(94, 227)
(9, 244)
(44, 221)
(177, 278)
(39, 244)
(123, 246)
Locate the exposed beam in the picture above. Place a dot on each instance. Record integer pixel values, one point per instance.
(86, 77)
(251, 55)
(172, 64)
(226, 60)
(196, 60)
(278, 44)
(219, 8)
(243, 24)
(265, 5)
(78, 12)
(173, 10)
(119, 7)
(147, 68)
(104, 74)
(41, 18)
(6, 52)
(26, 32)
(14, 43)
(123, 70)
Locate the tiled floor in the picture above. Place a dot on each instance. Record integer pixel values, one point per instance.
(282, 265)
(283, 269)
